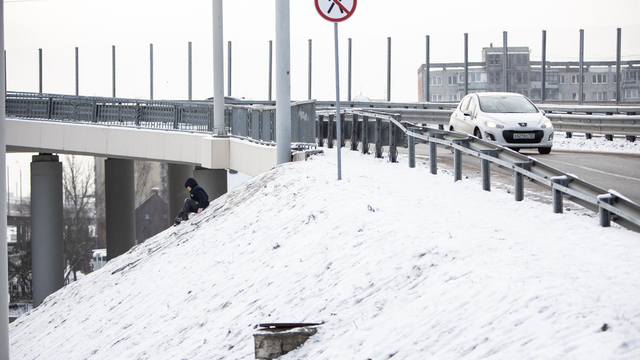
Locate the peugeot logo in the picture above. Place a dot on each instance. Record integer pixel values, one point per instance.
(523, 124)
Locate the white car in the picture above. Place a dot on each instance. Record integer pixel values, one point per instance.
(509, 119)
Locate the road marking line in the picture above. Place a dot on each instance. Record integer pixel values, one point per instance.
(594, 170)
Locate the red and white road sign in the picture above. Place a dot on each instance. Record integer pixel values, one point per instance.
(336, 10)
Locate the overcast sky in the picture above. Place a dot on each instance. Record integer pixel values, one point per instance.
(58, 26)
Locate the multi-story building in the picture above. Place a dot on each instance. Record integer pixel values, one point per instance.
(599, 82)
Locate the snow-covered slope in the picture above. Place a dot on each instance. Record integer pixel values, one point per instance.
(395, 261)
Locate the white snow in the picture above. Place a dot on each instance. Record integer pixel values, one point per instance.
(396, 262)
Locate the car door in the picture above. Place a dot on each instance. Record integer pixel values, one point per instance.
(470, 116)
(457, 118)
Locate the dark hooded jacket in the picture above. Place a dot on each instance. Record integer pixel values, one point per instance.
(197, 193)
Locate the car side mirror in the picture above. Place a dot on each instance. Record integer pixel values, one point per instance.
(468, 113)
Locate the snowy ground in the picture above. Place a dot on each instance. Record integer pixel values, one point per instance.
(396, 262)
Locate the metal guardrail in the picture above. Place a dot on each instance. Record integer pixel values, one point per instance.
(247, 121)
(610, 205)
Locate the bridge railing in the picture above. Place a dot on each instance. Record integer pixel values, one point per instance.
(256, 122)
(610, 205)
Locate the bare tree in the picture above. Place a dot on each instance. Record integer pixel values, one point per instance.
(79, 210)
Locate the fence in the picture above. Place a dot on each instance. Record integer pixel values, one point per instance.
(609, 205)
(254, 122)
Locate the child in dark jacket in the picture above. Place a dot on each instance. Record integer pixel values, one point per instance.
(198, 201)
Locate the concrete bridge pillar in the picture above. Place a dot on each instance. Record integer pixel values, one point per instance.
(214, 182)
(120, 206)
(47, 245)
(176, 176)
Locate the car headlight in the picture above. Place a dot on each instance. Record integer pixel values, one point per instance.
(547, 124)
(493, 124)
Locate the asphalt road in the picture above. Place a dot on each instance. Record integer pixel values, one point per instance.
(619, 172)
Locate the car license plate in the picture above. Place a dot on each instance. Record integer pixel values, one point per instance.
(524, 136)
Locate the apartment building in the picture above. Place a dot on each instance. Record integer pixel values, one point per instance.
(599, 82)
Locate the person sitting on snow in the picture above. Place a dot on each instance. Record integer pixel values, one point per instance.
(198, 201)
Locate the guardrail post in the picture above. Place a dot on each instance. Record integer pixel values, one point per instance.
(330, 132)
(319, 130)
(557, 194)
(519, 180)
(569, 134)
(341, 141)
(457, 159)
(378, 138)
(354, 132)
(412, 149)
(365, 134)
(631, 138)
(49, 108)
(433, 152)
(604, 214)
(485, 169)
(393, 148)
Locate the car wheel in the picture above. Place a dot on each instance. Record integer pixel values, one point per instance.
(544, 150)
(478, 133)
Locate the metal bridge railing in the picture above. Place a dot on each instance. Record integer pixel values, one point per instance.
(246, 121)
(358, 123)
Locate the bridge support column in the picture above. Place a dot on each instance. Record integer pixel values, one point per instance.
(214, 182)
(120, 206)
(176, 176)
(47, 245)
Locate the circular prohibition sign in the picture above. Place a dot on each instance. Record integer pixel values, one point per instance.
(336, 10)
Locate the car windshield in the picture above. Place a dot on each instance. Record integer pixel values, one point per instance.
(506, 104)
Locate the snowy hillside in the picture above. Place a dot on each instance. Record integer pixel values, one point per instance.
(396, 262)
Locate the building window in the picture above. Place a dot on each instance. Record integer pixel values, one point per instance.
(146, 216)
(494, 59)
(552, 78)
(453, 80)
(435, 97)
(599, 78)
(600, 96)
(631, 93)
(454, 97)
(561, 80)
(435, 80)
(536, 76)
(632, 76)
(574, 79)
(615, 78)
(494, 77)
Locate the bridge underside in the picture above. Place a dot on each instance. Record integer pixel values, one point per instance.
(201, 156)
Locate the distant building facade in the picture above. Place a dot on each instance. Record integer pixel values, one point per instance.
(152, 217)
(599, 83)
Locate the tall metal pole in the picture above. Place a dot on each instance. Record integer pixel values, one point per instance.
(283, 83)
(505, 62)
(40, 70)
(4, 264)
(618, 68)
(310, 62)
(190, 73)
(113, 68)
(338, 115)
(270, 67)
(151, 71)
(544, 65)
(229, 69)
(427, 72)
(218, 70)
(349, 73)
(77, 73)
(581, 70)
(466, 63)
(389, 69)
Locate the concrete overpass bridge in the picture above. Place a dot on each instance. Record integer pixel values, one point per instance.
(122, 131)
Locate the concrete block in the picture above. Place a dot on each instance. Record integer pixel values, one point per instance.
(272, 343)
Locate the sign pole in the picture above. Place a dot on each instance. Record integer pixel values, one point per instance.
(338, 117)
(337, 11)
